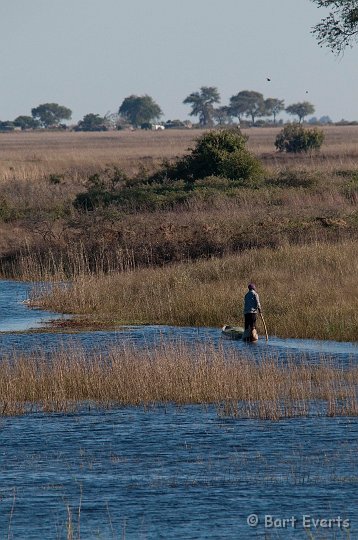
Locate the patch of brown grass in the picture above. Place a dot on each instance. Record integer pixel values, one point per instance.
(32, 156)
(177, 374)
(306, 198)
(306, 292)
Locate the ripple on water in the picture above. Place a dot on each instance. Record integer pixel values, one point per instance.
(174, 473)
(171, 473)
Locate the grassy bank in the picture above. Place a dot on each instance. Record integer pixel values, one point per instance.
(299, 199)
(306, 292)
(176, 374)
(292, 229)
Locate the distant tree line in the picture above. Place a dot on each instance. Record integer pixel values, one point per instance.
(337, 31)
(142, 111)
(47, 115)
(246, 104)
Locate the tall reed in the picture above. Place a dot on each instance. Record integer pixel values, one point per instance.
(72, 378)
(306, 292)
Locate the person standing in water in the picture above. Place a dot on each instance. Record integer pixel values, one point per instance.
(252, 306)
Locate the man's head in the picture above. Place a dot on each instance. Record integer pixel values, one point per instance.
(251, 287)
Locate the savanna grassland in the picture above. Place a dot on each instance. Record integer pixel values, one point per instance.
(173, 253)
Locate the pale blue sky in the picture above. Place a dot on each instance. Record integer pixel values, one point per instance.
(90, 54)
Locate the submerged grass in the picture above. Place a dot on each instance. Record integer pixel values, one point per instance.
(71, 379)
(306, 292)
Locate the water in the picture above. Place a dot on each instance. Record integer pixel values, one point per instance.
(14, 316)
(171, 473)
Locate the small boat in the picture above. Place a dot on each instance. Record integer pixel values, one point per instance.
(237, 332)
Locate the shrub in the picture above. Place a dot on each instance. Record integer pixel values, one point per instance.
(295, 138)
(219, 153)
(102, 189)
(242, 166)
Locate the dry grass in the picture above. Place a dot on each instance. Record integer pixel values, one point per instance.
(306, 292)
(72, 379)
(32, 156)
(37, 213)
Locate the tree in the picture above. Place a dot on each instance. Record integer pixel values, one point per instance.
(325, 119)
(222, 115)
(273, 107)
(7, 125)
(26, 122)
(139, 110)
(51, 114)
(248, 103)
(340, 28)
(301, 109)
(202, 104)
(92, 122)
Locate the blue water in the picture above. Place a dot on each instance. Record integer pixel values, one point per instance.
(14, 316)
(171, 473)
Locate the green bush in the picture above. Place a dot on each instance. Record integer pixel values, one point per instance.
(220, 153)
(112, 188)
(217, 154)
(242, 166)
(102, 189)
(295, 138)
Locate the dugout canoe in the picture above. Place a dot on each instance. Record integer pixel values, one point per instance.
(237, 332)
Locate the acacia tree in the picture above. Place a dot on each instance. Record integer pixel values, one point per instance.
(222, 115)
(26, 122)
(273, 107)
(248, 103)
(92, 122)
(340, 28)
(51, 114)
(139, 110)
(301, 109)
(202, 104)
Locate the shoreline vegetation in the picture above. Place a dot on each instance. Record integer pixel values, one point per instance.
(68, 380)
(306, 292)
(141, 240)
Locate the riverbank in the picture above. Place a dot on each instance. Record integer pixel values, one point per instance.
(306, 292)
(140, 248)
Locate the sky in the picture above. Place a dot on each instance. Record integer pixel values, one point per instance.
(90, 54)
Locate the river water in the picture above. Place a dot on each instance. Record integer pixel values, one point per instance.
(172, 473)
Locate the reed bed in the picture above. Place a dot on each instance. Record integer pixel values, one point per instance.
(306, 292)
(176, 373)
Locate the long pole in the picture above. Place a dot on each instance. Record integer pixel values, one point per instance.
(265, 327)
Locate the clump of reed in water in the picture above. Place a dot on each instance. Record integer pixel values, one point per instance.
(121, 376)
